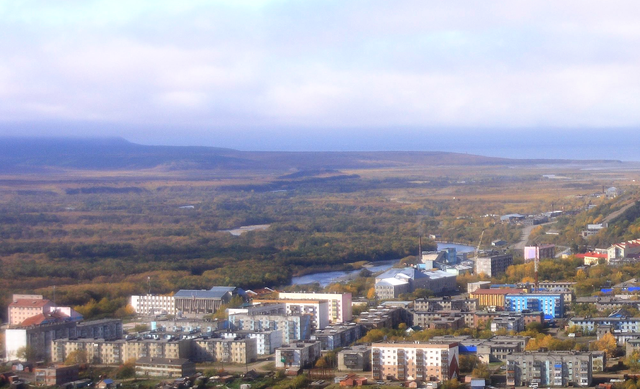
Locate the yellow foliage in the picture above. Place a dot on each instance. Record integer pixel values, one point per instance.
(607, 344)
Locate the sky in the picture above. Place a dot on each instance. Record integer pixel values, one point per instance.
(323, 74)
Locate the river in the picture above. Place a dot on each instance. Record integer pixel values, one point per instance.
(326, 278)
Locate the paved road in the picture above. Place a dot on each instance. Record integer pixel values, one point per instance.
(526, 231)
(617, 213)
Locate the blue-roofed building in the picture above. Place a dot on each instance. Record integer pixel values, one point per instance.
(204, 301)
(552, 305)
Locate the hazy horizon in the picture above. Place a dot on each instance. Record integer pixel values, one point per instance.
(539, 144)
(534, 79)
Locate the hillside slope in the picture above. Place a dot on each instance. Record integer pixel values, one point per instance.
(30, 154)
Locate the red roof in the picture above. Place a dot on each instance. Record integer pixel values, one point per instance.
(498, 291)
(30, 303)
(43, 318)
(592, 255)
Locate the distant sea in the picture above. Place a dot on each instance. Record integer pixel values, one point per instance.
(611, 144)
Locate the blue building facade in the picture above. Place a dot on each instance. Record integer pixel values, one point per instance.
(552, 305)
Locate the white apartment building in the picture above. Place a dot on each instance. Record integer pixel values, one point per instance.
(414, 361)
(339, 304)
(317, 309)
(152, 304)
(266, 341)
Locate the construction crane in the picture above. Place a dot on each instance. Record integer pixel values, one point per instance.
(479, 243)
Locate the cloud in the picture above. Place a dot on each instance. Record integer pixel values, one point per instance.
(206, 65)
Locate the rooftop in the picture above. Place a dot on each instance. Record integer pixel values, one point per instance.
(503, 291)
(30, 303)
(217, 292)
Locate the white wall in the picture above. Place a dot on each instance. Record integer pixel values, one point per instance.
(14, 340)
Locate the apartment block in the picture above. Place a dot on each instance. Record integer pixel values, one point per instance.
(493, 266)
(553, 368)
(40, 337)
(101, 351)
(337, 336)
(552, 305)
(423, 319)
(266, 341)
(493, 297)
(317, 309)
(508, 323)
(445, 303)
(539, 252)
(23, 307)
(298, 354)
(355, 358)
(339, 304)
(293, 327)
(384, 317)
(621, 324)
(414, 361)
(224, 350)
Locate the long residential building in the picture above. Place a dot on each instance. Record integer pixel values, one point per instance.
(590, 324)
(554, 368)
(100, 351)
(225, 350)
(151, 304)
(199, 349)
(446, 303)
(40, 337)
(481, 317)
(266, 341)
(317, 309)
(414, 361)
(293, 327)
(425, 318)
(338, 336)
(551, 304)
(339, 304)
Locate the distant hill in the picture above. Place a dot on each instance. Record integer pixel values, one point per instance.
(31, 154)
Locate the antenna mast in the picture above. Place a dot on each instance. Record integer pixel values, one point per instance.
(479, 243)
(535, 266)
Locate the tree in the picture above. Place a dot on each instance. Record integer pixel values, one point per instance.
(452, 384)
(482, 371)
(141, 328)
(26, 353)
(468, 362)
(321, 363)
(633, 361)
(607, 344)
(127, 370)
(534, 326)
(371, 294)
(77, 357)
